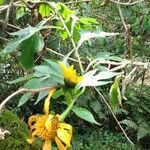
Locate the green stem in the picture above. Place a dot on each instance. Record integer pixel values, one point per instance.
(72, 41)
(69, 108)
(66, 112)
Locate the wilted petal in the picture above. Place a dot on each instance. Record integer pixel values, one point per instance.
(60, 144)
(64, 135)
(47, 145)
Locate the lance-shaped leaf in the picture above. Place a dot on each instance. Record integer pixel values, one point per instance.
(115, 94)
(88, 35)
(24, 99)
(92, 78)
(20, 79)
(85, 114)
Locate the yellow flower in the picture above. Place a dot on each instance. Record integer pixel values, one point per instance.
(49, 128)
(70, 75)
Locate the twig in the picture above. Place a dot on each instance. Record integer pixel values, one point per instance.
(113, 115)
(128, 38)
(59, 54)
(10, 25)
(4, 39)
(119, 65)
(79, 1)
(126, 81)
(22, 90)
(128, 3)
(3, 7)
(7, 15)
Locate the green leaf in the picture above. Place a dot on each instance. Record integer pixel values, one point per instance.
(28, 47)
(45, 10)
(50, 69)
(20, 12)
(85, 114)
(41, 96)
(88, 21)
(58, 93)
(22, 34)
(115, 98)
(72, 26)
(33, 84)
(2, 2)
(64, 10)
(24, 99)
(20, 79)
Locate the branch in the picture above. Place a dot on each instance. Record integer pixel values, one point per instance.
(128, 38)
(22, 90)
(79, 1)
(10, 25)
(113, 115)
(3, 7)
(128, 3)
(119, 65)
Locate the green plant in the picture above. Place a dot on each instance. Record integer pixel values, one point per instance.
(18, 133)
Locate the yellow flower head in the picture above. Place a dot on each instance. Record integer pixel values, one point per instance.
(70, 75)
(49, 128)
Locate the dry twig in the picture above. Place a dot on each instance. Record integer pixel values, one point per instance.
(128, 3)
(20, 91)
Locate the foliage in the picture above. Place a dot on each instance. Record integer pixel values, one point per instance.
(18, 133)
(140, 112)
(99, 139)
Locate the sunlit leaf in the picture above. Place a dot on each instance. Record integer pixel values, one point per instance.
(2, 2)
(88, 35)
(115, 94)
(45, 10)
(20, 12)
(64, 10)
(92, 78)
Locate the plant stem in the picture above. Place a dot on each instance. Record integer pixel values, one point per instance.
(72, 41)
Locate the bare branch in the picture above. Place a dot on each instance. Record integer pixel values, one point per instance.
(20, 91)
(128, 3)
(128, 38)
(79, 1)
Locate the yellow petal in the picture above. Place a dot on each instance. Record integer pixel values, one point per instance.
(47, 101)
(64, 136)
(60, 144)
(47, 145)
(48, 123)
(31, 140)
(65, 126)
(80, 78)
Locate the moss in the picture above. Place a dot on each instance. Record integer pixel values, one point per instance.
(18, 133)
